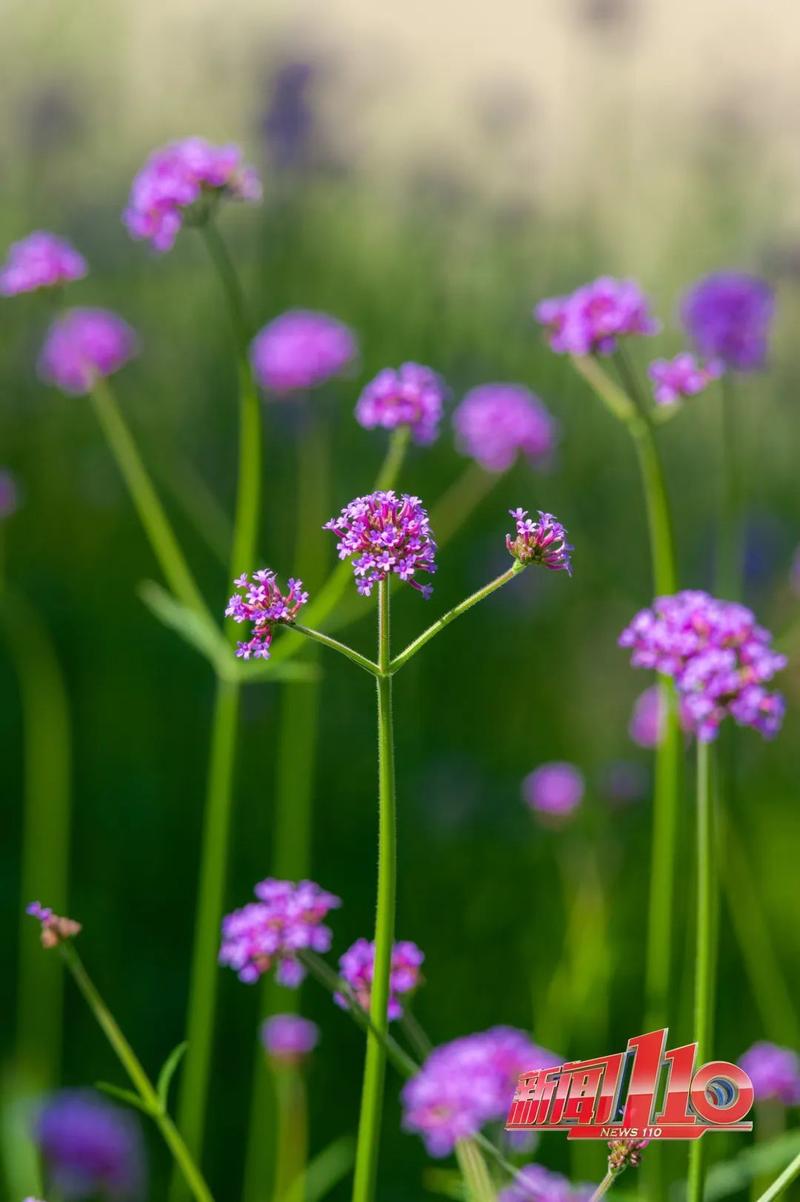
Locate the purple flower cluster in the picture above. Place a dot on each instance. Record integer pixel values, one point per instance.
(496, 422)
(774, 1071)
(357, 967)
(384, 534)
(299, 350)
(555, 788)
(718, 656)
(286, 919)
(177, 179)
(9, 494)
(262, 603)
(592, 319)
(42, 260)
(90, 1148)
(410, 395)
(728, 317)
(288, 1039)
(681, 377)
(55, 929)
(83, 345)
(535, 1183)
(543, 541)
(466, 1083)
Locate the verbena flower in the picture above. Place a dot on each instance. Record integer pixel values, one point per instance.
(286, 919)
(535, 1183)
(81, 346)
(543, 541)
(718, 656)
(681, 377)
(9, 494)
(357, 967)
(42, 260)
(89, 1147)
(410, 395)
(593, 318)
(728, 317)
(625, 1153)
(384, 534)
(467, 1083)
(496, 422)
(54, 928)
(774, 1071)
(301, 349)
(261, 602)
(288, 1039)
(179, 183)
(646, 726)
(555, 788)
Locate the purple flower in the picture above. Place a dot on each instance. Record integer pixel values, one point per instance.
(681, 377)
(286, 919)
(646, 726)
(555, 788)
(262, 603)
(180, 182)
(466, 1083)
(54, 928)
(82, 345)
(89, 1147)
(301, 349)
(593, 318)
(410, 395)
(774, 1071)
(535, 1183)
(383, 533)
(9, 494)
(495, 422)
(288, 1039)
(543, 541)
(718, 656)
(728, 315)
(42, 260)
(357, 966)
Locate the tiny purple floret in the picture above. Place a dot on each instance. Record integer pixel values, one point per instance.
(496, 422)
(42, 260)
(357, 966)
(301, 349)
(82, 346)
(261, 602)
(410, 395)
(384, 534)
(286, 919)
(542, 541)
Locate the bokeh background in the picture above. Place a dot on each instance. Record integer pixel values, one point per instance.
(431, 171)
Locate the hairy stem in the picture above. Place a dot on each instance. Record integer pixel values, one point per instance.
(704, 949)
(350, 653)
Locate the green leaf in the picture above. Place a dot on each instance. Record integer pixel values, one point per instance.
(124, 1095)
(168, 1072)
(756, 1161)
(324, 1172)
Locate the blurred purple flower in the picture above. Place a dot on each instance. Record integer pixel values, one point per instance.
(9, 494)
(595, 316)
(288, 1039)
(357, 966)
(82, 345)
(262, 603)
(410, 395)
(466, 1083)
(774, 1071)
(495, 422)
(728, 317)
(535, 1183)
(42, 260)
(288, 124)
(301, 349)
(554, 788)
(287, 918)
(623, 782)
(543, 542)
(89, 1147)
(384, 534)
(681, 377)
(647, 720)
(54, 928)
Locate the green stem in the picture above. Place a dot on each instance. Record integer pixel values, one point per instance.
(350, 653)
(473, 1168)
(229, 279)
(704, 951)
(604, 1186)
(789, 1174)
(369, 1128)
(151, 512)
(729, 570)
(659, 520)
(658, 954)
(395, 455)
(292, 1134)
(139, 1078)
(411, 650)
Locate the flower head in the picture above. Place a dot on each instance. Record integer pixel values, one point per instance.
(466, 1083)
(555, 788)
(718, 656)
(9, 494)
(54, 928)
(288, 1039)
(301, 349)
(357, 966)
(682, 376)
(179, 182)
(774, 1071)
(410, 395)
(261, 602)
(495, 422)
(543, 541)
(535, 1183)
(286, 919)
(90, 1148)
(384, 534)
(728, 315)
(625, 1153)
(83, 345)
(42, 260)
(646, 726)
(594, 317)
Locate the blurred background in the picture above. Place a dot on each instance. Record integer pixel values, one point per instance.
(430, 172)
